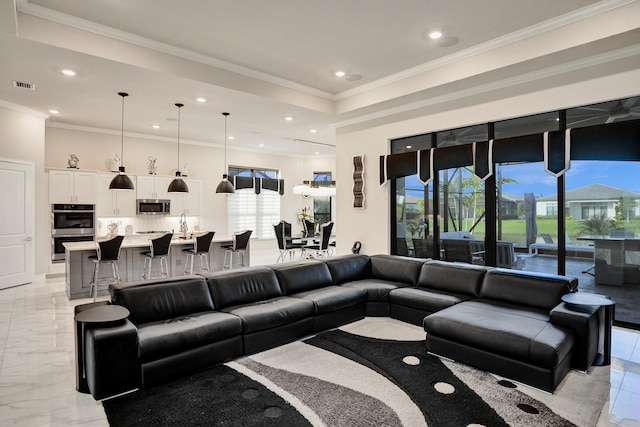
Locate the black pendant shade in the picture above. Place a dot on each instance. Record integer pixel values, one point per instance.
(178, 185)
(121, 181)
(225, 186)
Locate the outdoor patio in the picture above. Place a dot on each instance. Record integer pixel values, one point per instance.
(627, 296)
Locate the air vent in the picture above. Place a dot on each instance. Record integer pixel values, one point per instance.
(24, 85)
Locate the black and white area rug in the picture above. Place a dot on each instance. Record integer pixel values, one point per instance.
(370, 373)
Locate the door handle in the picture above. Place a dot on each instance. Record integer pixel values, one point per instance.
(29, 239)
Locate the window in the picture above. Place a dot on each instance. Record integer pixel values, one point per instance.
(552, 209)
(594, 210)
(251, 172)
(250, 211)
(322, 205)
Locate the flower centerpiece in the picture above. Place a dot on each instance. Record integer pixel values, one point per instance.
(305, 213)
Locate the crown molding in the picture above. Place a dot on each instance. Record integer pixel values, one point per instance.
(23, 109)
(516, 36)
(576, 65)
(117, 133)
(24, 6)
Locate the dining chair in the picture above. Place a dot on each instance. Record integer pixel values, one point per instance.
(107, 252)
(285, 245)
(201, 248)
(158, 249)
(321, 249)
(309, 228)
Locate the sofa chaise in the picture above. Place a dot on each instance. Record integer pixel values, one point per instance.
(508, 322)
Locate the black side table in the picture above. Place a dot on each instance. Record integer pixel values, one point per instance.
(102, 314)
(583, 298)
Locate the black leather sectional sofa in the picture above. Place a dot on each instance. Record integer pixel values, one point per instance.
(512, 323)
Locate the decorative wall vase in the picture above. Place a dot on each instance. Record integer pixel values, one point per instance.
(358, 182)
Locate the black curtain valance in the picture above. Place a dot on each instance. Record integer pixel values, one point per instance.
(258, 184)
(613, 141)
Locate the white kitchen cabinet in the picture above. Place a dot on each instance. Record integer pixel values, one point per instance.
(115, 203)
(188, 203)
(152, 187)
(72, 186)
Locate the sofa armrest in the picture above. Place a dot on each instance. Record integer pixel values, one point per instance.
(111, 359)
(586, 324)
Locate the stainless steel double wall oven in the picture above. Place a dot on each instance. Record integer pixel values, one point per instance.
(70, 223)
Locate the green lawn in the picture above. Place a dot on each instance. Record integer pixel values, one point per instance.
(514, 229)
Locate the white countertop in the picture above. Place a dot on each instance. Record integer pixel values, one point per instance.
(138, 241)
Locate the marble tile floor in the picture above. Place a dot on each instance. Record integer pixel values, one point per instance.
(37, 374)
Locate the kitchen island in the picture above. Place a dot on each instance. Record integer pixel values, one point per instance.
(79, 268)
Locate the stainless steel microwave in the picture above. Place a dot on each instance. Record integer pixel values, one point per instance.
(153, 207)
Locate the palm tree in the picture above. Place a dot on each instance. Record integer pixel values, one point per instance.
(598, 225)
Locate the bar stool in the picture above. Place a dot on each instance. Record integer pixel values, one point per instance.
(239, 247)
(201, 247)
(107, 252)
(159, 249)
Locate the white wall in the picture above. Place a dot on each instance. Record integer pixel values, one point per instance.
(371, 225)
(205, 162)
(22, 138)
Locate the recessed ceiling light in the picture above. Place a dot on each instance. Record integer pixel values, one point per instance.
(155, 126)
(317, 152)
(288, 118)
(201, 99)
(54, 111)
(261, 145)
(68, 72)
(231, 137)
(409, 146)
(435, 35)
(340, 73)
(313, 130)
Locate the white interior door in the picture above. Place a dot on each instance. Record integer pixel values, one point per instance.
(16, 223)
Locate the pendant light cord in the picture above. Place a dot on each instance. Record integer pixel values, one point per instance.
(179, 108)
(122, 94)
(226, 115)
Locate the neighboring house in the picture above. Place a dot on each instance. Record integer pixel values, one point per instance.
(588, 202)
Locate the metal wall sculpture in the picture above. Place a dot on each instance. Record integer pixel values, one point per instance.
(358, 182)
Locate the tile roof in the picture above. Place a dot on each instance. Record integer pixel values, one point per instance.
(593, 192)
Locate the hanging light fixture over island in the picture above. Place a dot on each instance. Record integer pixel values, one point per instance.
(121, 181)
(225, 186)
(178, 185)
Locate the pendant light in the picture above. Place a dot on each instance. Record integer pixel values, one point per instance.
(178, 185)
(225, 186)
(121, 181)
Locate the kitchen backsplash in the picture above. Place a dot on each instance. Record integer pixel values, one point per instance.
(139, 225)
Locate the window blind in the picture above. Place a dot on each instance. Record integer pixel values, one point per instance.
(250, 211)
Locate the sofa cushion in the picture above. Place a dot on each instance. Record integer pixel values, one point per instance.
(504, 329)
(348, 268)
(425, 300)
(333, 298)
(172, 336)
(242, 286)
(395, 268)
(529, 289)
(161, 299)
(301, 276)
(377, 290)
(464, 279)
(271, 313)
